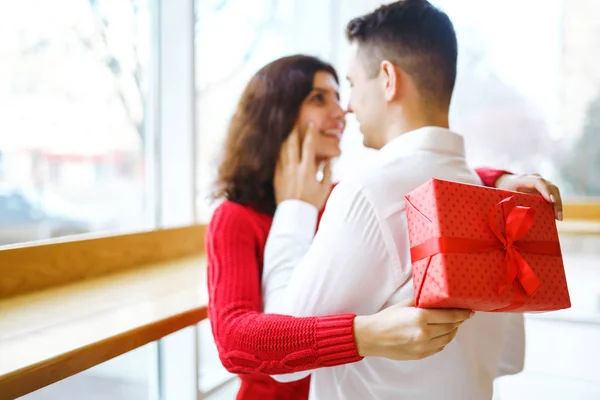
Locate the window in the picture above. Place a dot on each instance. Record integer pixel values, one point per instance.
(73, 89)
(529, 99)
(94, 123)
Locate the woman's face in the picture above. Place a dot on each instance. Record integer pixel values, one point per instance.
(322, 108)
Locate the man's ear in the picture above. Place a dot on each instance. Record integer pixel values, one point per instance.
(391, 79)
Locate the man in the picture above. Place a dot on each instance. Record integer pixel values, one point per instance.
(402, 74)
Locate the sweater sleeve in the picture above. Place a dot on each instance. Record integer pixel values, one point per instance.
(247, 340)
(489, 176)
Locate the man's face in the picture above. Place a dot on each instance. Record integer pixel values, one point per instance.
(367, 100)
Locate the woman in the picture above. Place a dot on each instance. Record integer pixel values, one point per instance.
(288, 93)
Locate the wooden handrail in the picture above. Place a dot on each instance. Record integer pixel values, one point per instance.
(40, 266)
(584, 210)
(48, 335)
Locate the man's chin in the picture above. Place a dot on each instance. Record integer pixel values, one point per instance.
(366, 142)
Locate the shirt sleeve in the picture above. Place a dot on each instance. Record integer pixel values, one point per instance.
(347, 268)
(295, 221)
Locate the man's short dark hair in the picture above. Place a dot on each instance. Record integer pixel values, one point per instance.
(417, 37)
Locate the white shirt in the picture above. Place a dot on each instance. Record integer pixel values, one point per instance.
(359, 262)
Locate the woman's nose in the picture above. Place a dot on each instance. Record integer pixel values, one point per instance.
(339, 112)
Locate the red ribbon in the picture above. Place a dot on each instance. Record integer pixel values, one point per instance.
(518, 221)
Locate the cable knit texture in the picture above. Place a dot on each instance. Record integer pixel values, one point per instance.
(248, 341)
(253, 344)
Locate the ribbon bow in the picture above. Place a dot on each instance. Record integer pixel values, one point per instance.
(519, 221)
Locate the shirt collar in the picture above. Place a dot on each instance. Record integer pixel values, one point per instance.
(429, 138)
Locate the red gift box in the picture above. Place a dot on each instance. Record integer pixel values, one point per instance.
(484, 249)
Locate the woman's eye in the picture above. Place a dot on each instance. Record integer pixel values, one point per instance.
(318, 98)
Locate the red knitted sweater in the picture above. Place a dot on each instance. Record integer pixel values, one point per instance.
(253, 344)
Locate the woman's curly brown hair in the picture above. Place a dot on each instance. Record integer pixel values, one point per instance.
(265, 116)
